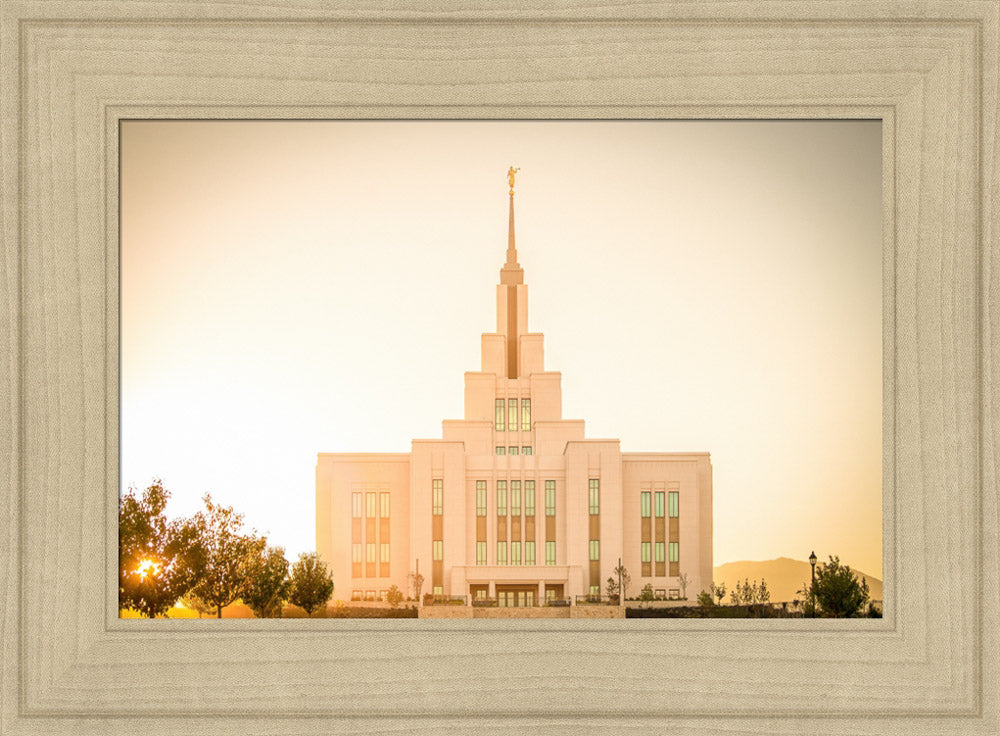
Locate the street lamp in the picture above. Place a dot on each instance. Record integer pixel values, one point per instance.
(812, 586)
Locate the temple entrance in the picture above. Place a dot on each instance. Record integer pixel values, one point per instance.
(517, 596)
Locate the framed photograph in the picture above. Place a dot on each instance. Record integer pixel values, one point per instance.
(355, 274)
(926, 73)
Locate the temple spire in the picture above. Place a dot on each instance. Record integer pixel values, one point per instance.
(511, 272)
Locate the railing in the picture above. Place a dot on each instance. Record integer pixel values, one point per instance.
(484, 602)
(444, 600)
(557, 602)
(596, 600)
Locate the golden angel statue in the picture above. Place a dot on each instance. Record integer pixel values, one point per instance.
(510, 177)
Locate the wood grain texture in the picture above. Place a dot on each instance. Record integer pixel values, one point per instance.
(72, 70)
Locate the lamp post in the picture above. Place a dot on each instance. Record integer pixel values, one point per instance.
(812, 585)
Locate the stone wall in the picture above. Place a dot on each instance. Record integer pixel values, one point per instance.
(597, 612)
(539, 612)
(509, 613)
(444, 612)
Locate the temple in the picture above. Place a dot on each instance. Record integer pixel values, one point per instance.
(515, 506)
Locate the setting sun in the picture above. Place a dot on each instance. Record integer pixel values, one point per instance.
(148, 566)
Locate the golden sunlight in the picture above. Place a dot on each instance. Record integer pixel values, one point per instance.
(148, 566)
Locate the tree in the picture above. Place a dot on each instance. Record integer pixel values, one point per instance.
(394, 596)
(647, 593)
(763, 594)
(197, 604)
(267, 583)
(750, 594)
(838, 591)
(705, 599)
(718, 592)
(622, 574)
(312, 583)
(747, 592)
(157, 559)
(416, 583)
(808, 609)
(612, 588)
(228, 554)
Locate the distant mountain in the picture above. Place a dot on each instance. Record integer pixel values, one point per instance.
(784, 577)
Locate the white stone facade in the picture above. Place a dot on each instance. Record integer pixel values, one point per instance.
(399, 511)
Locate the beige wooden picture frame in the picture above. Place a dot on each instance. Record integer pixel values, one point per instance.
(72, 70)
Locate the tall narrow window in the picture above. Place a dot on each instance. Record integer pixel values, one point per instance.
(511, 415)
(675, 552)
(437, 550)
(675, 503)
(529, 553)
(384, 552)
(357, 554)
(595, 496)
(501, 498)
(659, 503)
(525, 415)
(659, 552)
(550, 553)
(370, 552)
(356, 505)
(595, 590)
(501, 553)
(595, 549)
(645, 498)
(529, 498)
(480, 498)
(645, 551)
(384, 499)
(480, 553)
(515, 553)
(515, 498)
(370, 505)
(499, 416)
(437, 497)
(550, 498)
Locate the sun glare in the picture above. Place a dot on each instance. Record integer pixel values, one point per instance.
(148, 567)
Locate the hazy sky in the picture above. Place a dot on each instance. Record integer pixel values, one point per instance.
(291, 288)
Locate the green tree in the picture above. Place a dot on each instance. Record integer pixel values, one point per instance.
(158, 559)
(807, 602)
(684, 585)
(747, 592)
(838, 590)
(611, 588)
(705, 599)
(763, 594)
(197, 604)
(718, 592)
(623, 574)
(312, 583)
(416, 583)
(228, 554)
(267, 583)
(647, 593)
(394, 596)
